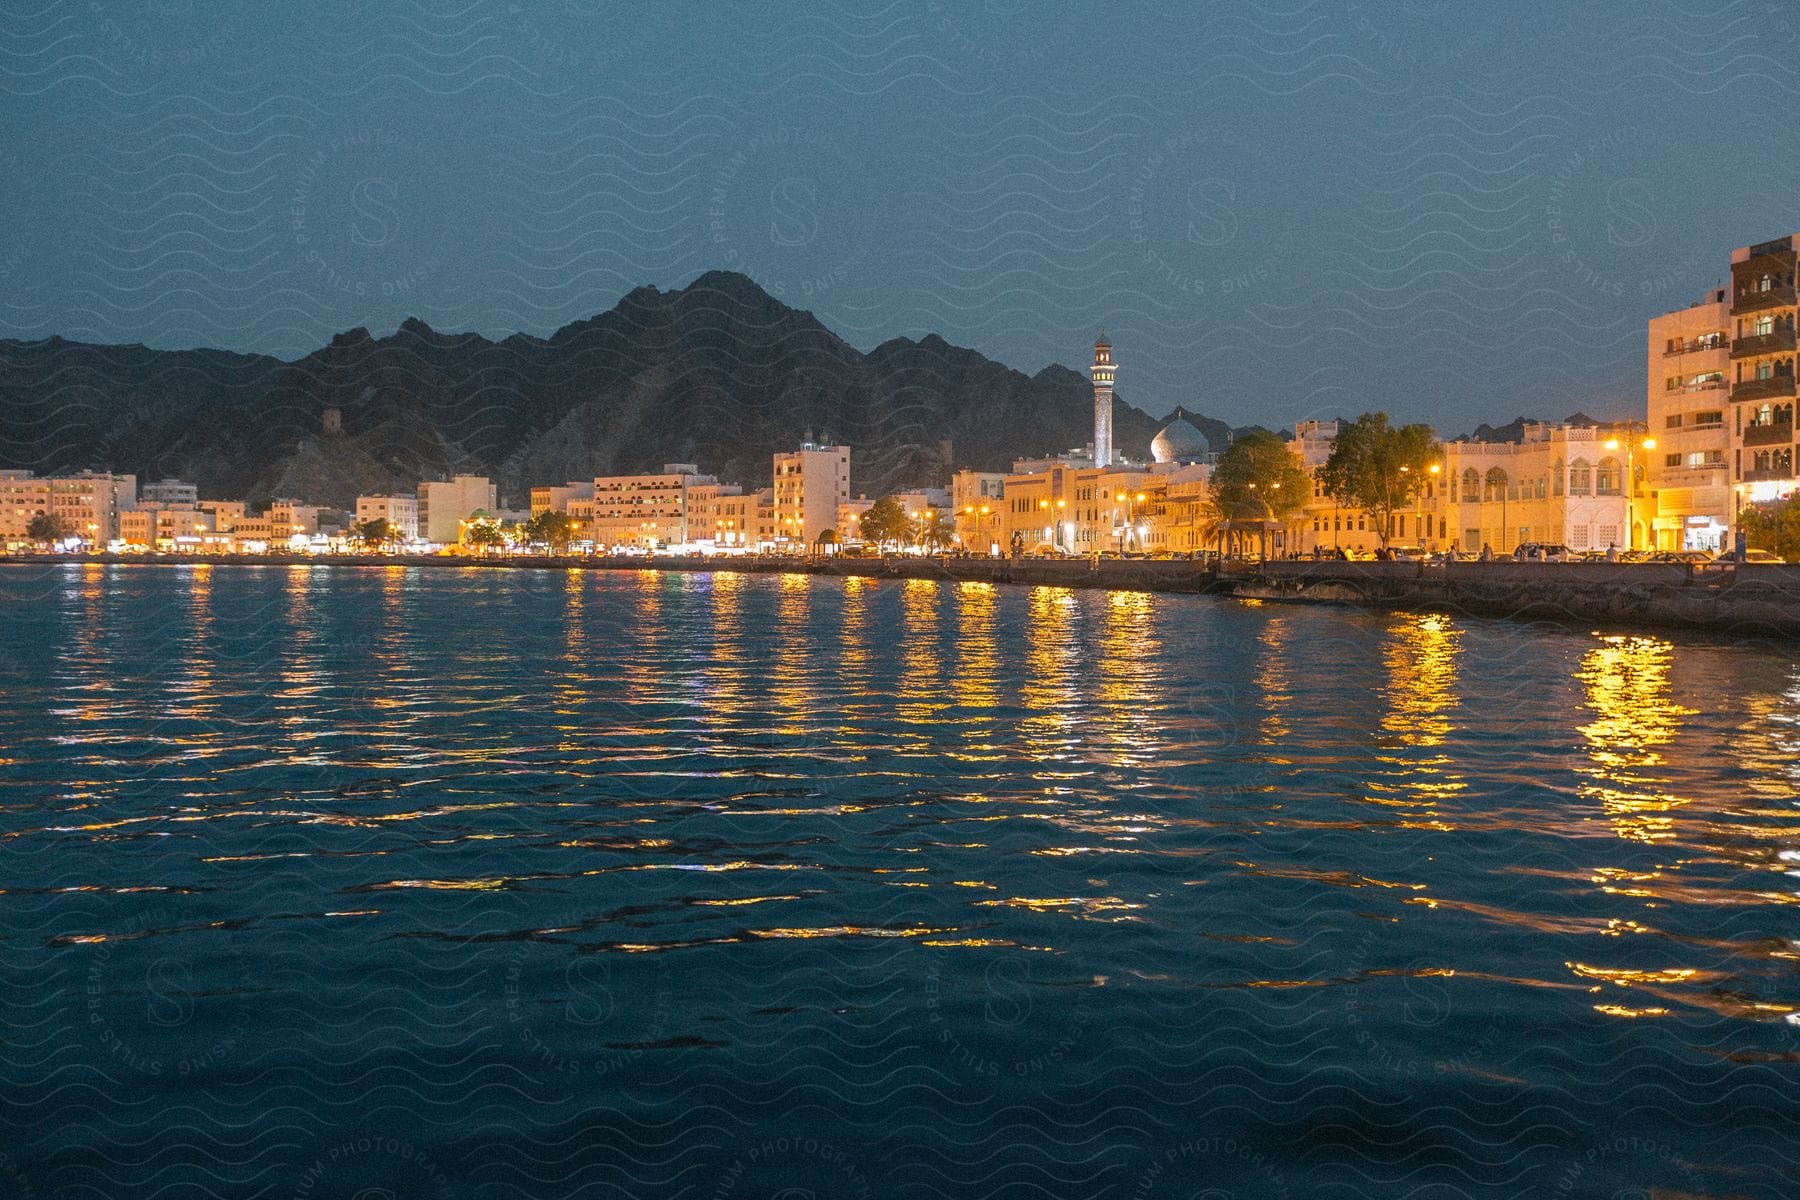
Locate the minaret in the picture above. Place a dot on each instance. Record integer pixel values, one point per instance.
(1103, 381)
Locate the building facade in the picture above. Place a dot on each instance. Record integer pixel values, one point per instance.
(976, 498)
(401, 512)
(445, 505)
(23, 498)
(90, 503)
(645, 512)
(1688, 380)
(1763, 311)
(810, 484)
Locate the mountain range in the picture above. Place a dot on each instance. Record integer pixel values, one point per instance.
(719, 374)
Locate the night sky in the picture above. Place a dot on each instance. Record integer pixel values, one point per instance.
(1459, 212)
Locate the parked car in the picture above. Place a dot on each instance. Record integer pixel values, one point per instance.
(1683, 556)
(1543, 552)
(1762, 556)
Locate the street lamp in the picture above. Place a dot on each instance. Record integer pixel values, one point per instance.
(1630, 485)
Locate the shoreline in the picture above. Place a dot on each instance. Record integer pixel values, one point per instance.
(1747, 600)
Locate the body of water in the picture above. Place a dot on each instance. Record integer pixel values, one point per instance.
(415, 882)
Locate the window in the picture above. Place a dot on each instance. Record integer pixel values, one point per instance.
(1710, 419)
(1765, 370)
(1471, 486)
(1556, 479)
(1764, 326)
(1671, 460)
(1672, 421)
(1672, 383)
(1580, 478)
(1766, 284)
(1578, 536)
(1606, 477)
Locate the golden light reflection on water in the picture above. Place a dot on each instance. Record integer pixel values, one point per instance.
(571, 683)
(1131, 683)
(1420, 694)
(1273, 680)
(1050, 689)
(642, 667)
(299, 674)
(195, 693)
(793, 681)
(1626, 686)
(921, 684)
(975, 683)
(721, 678)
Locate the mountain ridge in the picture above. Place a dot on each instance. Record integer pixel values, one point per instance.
(718, 373)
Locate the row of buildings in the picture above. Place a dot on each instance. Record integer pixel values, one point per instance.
(1718, 434)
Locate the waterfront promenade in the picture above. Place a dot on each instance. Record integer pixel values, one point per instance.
(1750, 599)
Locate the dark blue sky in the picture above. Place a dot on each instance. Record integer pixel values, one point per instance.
(1455, 211)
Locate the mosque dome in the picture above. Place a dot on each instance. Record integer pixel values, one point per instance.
(1179, 442)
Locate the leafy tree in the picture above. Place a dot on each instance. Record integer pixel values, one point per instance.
(885, 522)
(48, 527)
(1258, 482)
(1378, 467)
(1773, 526)
(553, 529)
(373, 532)
(936, 529)
(484, 533)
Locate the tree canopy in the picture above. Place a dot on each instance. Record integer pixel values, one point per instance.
(48, 527)
(885, 522)
(1773, 526)
(374, 532)
(1378, 467)
(553, 529)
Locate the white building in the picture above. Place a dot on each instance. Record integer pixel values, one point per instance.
(445, 505)
(171, 493)
(401, 512)
(811, 483)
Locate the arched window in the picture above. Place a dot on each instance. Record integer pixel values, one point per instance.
(1556, 478)
(1471, 490)
(1581, 481)
(1496, 484)
(1606, 477)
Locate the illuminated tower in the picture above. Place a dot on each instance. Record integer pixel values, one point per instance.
(1103, 381)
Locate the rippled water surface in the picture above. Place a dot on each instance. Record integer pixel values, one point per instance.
(511, 883)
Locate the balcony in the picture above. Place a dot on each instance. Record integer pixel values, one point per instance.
(1716, 341)
(1764, 343)
(1768, 474)
(1781, 433)
(1750, 300)
(1779, 387)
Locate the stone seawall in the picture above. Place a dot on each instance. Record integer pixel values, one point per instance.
(1754, 599)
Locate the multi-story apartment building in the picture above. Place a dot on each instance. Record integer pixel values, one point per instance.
(23, 497)
(225, 513)
(1561, 485)
(172, 493)
(160, 526)
(1763, 311)
(810, 484)
(1084, 510)
(976, 499)
(445, 505)
(1688, 470)
(646, 512)
(90, 503)
(290, 518)
(400, 511)
(719, 516)
(558, 497)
